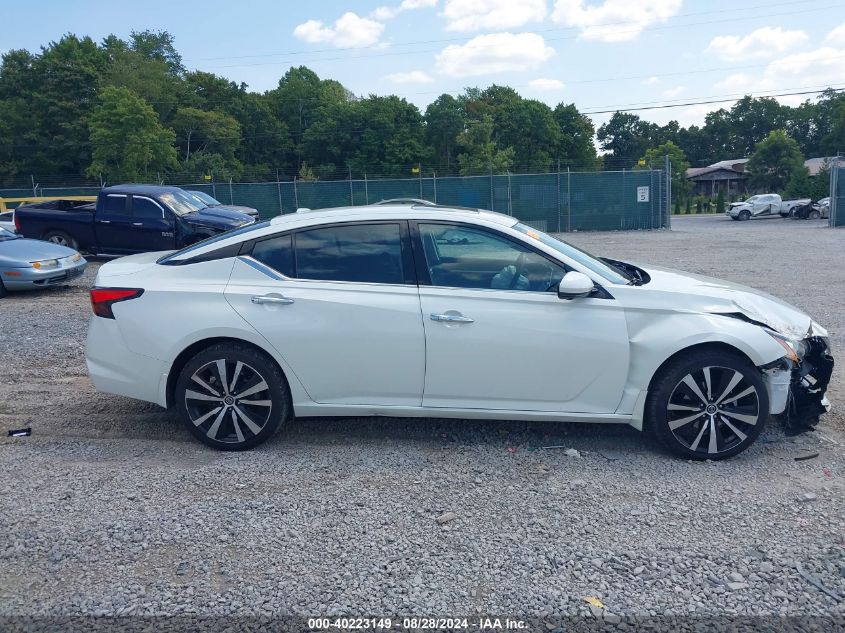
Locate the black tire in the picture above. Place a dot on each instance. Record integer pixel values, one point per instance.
(61, 238)
(226, 418)
(684, 423)
(814, 215)
(733, 217)
(3, 292)
(744, 215)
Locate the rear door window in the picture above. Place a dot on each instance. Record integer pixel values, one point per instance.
(364, 253)
(115, 205)
(145, 209)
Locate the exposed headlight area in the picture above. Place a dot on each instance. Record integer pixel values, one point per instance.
(795, 350)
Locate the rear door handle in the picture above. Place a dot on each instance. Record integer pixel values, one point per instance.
(137, 224)
(451, 318)
(271, 299)
(104, 221)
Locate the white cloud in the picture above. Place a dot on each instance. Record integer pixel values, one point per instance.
(819, 68)
(613, 20)
(410, 77)
(494, 53)
(671, 93)
(650, 81)
(836, 36)
(764, 42)
(544, 84)
(477, 15)
(349, 31)
(388, 13)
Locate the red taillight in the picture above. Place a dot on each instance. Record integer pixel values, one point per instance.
(102, 299)
(17, 222)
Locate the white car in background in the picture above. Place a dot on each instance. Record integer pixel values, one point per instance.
(7, 221)
(415, 310)
(764, 205)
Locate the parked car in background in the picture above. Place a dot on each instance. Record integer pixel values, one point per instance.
(430, 311)
(216, 204)
(763, 205)
(7, 221)
(127, 219)
(31, 264)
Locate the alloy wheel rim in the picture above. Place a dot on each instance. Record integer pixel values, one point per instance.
(58, 239)
(230, 401)
(713, 409)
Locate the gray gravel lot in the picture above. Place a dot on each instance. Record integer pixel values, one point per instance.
(111, 508)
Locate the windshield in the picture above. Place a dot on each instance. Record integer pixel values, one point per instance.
(613, 275)
(7, 235)
(181, 202)
(754, 198)
(204, 197)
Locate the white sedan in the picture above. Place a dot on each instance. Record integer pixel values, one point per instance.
(425, 311)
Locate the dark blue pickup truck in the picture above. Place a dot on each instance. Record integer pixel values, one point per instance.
(127, 219)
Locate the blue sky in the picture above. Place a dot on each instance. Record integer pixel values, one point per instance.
(599, 54)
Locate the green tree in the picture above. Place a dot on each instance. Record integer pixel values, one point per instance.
(575, 137)
(444, 120)
(157, 45)
(774, 160)
(627, 137)
(720, 201)
(799, 185)
(479, 152)
(656, 158)
(127, 140)
(201, 131)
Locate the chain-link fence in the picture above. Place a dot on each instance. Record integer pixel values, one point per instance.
(555, 202)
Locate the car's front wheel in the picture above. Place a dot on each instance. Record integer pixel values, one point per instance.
(745, 215)
(711, 404)
(232, 396)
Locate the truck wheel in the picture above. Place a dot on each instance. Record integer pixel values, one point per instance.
(744, 215)
(62, 239)
(814, 214)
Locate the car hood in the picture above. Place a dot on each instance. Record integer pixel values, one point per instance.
(741, 203)
(698, 293)
(238, 208)
(25, 250)
(217, 217)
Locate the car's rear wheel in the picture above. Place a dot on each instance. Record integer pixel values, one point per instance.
(2, 289)
(62, 239)
(711, 404)
(744, 215)
(232, 396)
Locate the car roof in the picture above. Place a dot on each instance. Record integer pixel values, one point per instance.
(147, 189)
(363, 213)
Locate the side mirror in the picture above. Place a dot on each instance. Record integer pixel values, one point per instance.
(575, 285)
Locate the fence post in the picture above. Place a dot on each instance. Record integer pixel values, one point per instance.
(279, 189)
(491, 188)
(213, 186)
(295, 194)
(558, 195)
(568, 201)
(668, 192)
(366, 190)
(419, 169)
(351, 192)
(34, 193)
(231, 197)
(434, 182)
(510, 208)
(834, 186)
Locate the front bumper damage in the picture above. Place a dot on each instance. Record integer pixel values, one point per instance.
(808, 381)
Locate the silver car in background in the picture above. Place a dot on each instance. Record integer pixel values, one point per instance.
(30, 264)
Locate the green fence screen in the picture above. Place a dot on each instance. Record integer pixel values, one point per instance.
(837, 196)
(556, 202)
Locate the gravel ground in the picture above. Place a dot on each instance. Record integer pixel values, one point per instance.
(110, 508)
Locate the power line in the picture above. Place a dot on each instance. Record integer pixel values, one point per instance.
(458, 39)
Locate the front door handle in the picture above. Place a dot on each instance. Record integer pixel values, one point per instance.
(272, 299)
(137, 224)
(451, 318)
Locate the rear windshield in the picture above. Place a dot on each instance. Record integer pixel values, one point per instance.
(213, 239)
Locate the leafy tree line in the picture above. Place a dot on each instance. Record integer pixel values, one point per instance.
(129, 110)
